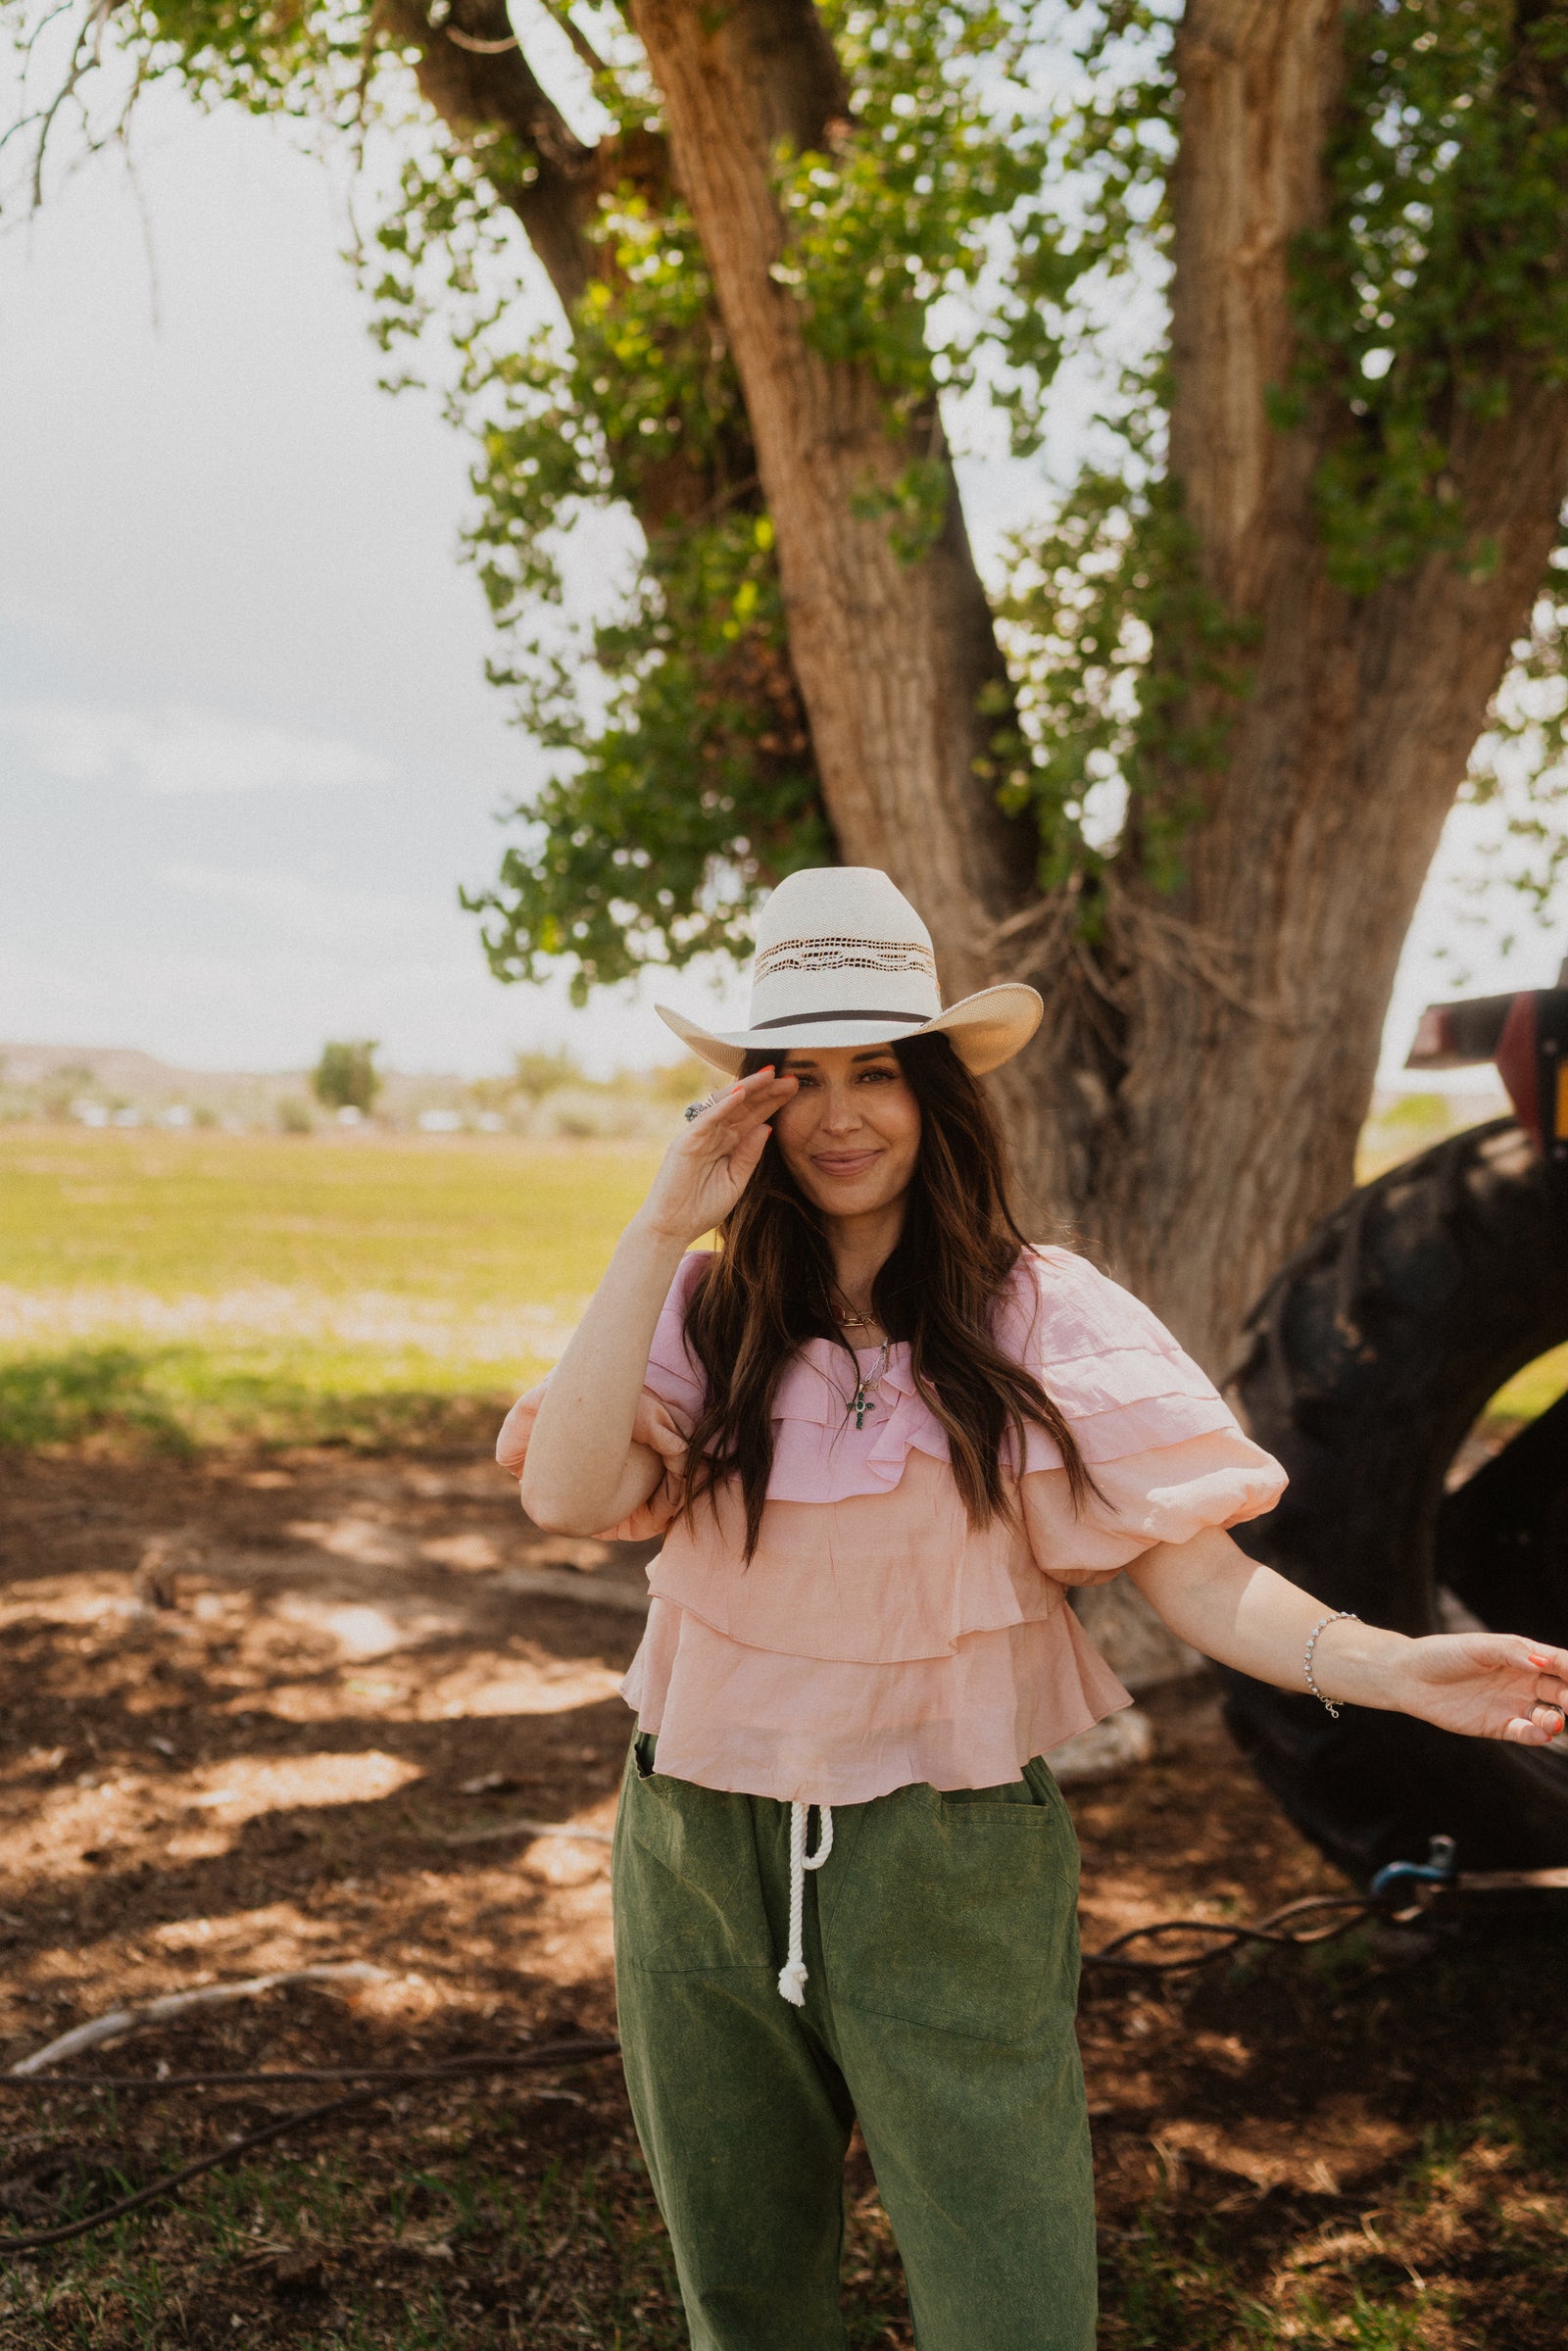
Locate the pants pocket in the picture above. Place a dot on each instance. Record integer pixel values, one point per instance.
(686, 1889)
(1035, 1788)
(965, 1917)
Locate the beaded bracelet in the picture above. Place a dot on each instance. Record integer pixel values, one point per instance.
(1332, 1618)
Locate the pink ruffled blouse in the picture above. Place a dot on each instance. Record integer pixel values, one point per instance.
(876, 1638)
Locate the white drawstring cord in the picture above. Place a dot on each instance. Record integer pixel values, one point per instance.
(792, 1975)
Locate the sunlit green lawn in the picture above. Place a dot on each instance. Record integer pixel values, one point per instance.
(195, 1288)
(179, 1289)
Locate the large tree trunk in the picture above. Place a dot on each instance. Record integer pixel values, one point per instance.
(1249, 1038)
(892, 655)
(1193, 1101)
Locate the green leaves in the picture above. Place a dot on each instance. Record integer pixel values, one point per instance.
(1521, 762)
(1438, 287)
(942, 140)
(269, 55)
(1129, 674)
(688, 793)
(926, 241)
(683, 781)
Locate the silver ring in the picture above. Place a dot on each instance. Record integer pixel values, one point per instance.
(696, 1110)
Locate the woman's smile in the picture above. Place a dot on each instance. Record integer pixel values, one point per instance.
(844, 1164)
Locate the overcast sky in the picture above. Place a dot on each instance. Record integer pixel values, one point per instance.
(247, 753)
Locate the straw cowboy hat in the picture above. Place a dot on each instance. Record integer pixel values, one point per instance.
(843, 959)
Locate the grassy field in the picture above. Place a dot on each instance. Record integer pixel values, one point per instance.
(189, 1288)
(197, 1288)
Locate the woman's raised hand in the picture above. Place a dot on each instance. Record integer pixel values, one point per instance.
(592, 1461)
(710, 1163)
(1488, 1685)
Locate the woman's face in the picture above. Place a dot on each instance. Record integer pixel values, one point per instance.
(851, 1132)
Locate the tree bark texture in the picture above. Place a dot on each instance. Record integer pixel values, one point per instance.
(1192, 1104)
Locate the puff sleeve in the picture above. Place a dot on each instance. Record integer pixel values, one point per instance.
(673, 1396)
(1158, 1439)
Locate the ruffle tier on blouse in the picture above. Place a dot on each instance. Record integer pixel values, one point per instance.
(875, 1637)
(761, 1722)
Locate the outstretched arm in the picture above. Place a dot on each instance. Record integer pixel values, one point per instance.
(1487, 1684)
(583, 1471)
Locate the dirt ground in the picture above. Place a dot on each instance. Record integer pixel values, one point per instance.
(262, 1713)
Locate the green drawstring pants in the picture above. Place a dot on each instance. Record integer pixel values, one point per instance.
(942, 1949)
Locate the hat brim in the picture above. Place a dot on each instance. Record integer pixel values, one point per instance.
(985, 1029)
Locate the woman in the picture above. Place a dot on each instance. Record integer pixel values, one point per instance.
(882, 1434)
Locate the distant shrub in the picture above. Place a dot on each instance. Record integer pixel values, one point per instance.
(57, 1093)
(597, 1114)
(346, 1077)
(294, 1116)
(683, 1081)
(538, 1074)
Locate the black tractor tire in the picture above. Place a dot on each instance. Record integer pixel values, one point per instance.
(1370, 1357)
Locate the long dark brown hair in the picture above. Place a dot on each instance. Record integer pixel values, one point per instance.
(768, 1289)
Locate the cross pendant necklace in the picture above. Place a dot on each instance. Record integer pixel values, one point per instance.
(859, 1402)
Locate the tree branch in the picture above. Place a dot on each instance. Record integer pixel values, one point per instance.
(472, 72)
(579, 41)
(120, 2020)
(892, 655)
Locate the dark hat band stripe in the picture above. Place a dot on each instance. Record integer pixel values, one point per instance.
(801, 1020)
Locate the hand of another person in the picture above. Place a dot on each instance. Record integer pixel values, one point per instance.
(710, 1163)
(1486, 1685)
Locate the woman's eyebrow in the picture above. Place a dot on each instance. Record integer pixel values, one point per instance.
(798, 1064)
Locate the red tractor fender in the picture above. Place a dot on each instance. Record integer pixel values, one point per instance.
(1527, 1036)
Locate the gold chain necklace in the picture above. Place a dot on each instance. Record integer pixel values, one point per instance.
(852, 1319)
